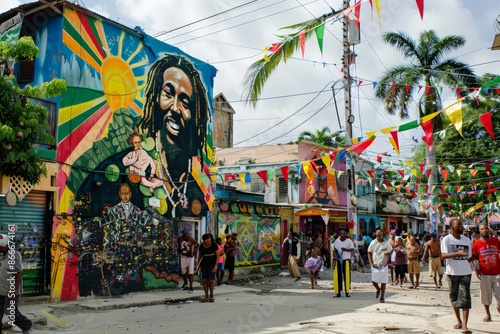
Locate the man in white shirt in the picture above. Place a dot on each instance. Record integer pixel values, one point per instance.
(342, 248)
(457, 251)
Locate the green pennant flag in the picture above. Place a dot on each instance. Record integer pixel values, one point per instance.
(320, 32)
(408, 126)
(490, 83)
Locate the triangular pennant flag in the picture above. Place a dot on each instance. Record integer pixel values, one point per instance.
(401, 172)
(377, 8)
(394, 141)
(427, 118)
(459, 172)
(374, 84)
(326, 160)
(302, 41)
(263, 175)
(242, 180)
(370, 133)
(428, 172)
(458, 90)
(473, 172)
(444, 173)
(493, 82)
(229, 177)
(266, 57)
(427, 90)
(371, 172)
(284, 172)
(308, 170)
(407, 89)
(454, 113)
(422, 166)
(361, 146)
(487, 123)
(428, 128)
(320, 32)
(379, 156)
(387, 130)
(248, 177)
(408, 126)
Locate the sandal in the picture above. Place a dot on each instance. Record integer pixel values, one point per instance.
(211, 300)
(203, 300)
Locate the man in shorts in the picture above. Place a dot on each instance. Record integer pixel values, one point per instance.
(188, 247)
(457, 251)
(486, 252)
(379, 253)
(433, 251)
(413, 250)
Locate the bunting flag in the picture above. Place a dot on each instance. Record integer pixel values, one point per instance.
(428, 172)
(308, 170)
(420, 5)
(370, 133)
(401, 172)
(229, 177)
(263, 175)
(427, 90)
(387, 130)
(444, 173)
(275, 48)
(302, 41)
(377, 8)
(454, 113)
(408, 126)
(459, 172)
(491, 83)
(473, 172)
(284, 172)
(242, 180)
(326, 160)
(394, 141)
(320, 32)
(354, 10)
(487, 123)
(371, 172)
(361, 146)
(428, 128)
(379, 156)
(248, 178)
(427, 118)
(422, 166)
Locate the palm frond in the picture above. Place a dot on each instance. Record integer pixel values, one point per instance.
(259, 72)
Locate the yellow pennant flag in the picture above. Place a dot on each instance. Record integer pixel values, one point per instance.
(454, 113)
(393, 142)
(414, 172)
(326, 160)
(308, 170)
(459, 172)
(377, 8)
(427, 118)
(266, 58)
(387, 130)
(409, 163)
(371, 133)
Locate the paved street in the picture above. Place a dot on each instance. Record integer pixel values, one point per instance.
(284, 306)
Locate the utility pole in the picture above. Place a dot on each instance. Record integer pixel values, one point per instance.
(348, 59)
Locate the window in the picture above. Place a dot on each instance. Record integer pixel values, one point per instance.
(282, 193)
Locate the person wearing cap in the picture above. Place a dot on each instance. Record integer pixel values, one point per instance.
(11, 286)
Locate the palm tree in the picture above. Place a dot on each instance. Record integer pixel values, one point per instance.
(426, 68)
(324, 137)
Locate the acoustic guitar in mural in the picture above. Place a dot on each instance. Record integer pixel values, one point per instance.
(99, 260)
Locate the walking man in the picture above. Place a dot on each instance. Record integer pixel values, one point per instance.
(433, 251)
(342, 248)
(486, 251)
(187, 249)
(293, 254)
(11, 286)
(379, 253)
(457, 251)
(412, 252)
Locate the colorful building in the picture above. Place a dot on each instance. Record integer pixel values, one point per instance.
(131, 163)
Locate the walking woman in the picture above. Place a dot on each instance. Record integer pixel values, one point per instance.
(220, 262)
(208, 256)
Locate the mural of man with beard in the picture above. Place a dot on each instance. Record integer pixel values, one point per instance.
(175, 115)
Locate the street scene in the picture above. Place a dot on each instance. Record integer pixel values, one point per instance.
(268, 303)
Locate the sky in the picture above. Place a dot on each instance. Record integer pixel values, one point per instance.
(232, 34)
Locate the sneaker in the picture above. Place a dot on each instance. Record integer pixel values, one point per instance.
(338, 295)
(347, 295)
(297, 279)
(382, 300)
(191, 290)
(183, 286)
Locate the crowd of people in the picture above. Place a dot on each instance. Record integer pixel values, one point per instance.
(392, 255)
(213, 258)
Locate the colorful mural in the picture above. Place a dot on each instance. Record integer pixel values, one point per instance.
(258, 236)
(135, 147)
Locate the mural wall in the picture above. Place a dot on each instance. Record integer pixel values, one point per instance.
(134, 145)
(258, 234)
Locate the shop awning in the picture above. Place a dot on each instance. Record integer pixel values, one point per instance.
(319, 212)
(419, 218)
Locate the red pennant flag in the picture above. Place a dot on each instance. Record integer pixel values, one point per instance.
(401, 172)
(407, 89)
(497, 90)
(229, 177)
(284, 171)
(428, 172)
(386, 182)
(394, 135)
(458, 188)
(360, 82)
(427, 90)
(427, 188)
(371, 172)
(428, 128)
(275, 48)
(491, 191)
(419, 88)
(443, 188)
(302, 41)
(422, 166)
(361, 146)
(418, 180)
(379, 156)
(443, 195)
(420, 5)
(487, 123)
(394, 85)
(473, 172)
(459, 90)
(488, 172)
(263, 175)
(444, 173)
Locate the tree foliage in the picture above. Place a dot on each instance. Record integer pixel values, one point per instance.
(22, 122)
(323, 136)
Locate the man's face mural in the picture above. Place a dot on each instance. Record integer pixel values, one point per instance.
(175, 99)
